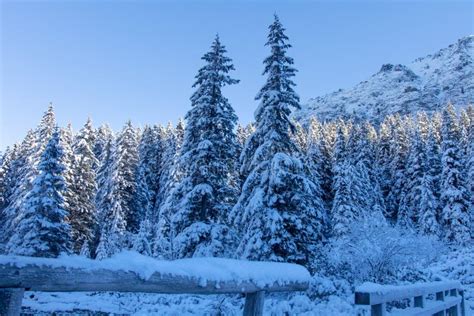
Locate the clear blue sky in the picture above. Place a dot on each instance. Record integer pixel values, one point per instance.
(115, 61)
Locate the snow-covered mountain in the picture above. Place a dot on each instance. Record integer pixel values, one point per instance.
(428, 83)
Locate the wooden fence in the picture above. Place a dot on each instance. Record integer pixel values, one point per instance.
(436, 298)
(15, 279)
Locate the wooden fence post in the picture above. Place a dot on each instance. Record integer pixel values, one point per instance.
(419, 301)
(378, 310)
(10, 301)
(440, 296)
(463, 304)
(254, 303)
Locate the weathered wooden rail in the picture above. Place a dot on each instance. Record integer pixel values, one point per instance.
(42, 274)
(447, 298)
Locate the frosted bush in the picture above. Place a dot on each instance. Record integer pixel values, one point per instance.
(373, 250)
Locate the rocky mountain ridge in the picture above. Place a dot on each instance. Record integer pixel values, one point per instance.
(428, 83)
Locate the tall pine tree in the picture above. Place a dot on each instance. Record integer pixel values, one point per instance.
(279, 208)
(203, 197)
(42, 229)
(126, 162)
(83, 215)
(454, 196)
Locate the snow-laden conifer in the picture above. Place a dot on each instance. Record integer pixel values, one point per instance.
(142, 240)
(399, 149)
(126, 163)
(201, 200)
(23, 171)
(454, 195)
(103, 135)
(279, 209)
(42, 229)
(83, 215)
(427, 208)
(150, 153)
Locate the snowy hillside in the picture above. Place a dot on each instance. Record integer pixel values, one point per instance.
(427, 84)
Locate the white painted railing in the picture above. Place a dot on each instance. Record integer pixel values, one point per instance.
(437, 298)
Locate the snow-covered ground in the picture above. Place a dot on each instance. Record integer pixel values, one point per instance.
(325, 297)
(152, 304)
(457, 265)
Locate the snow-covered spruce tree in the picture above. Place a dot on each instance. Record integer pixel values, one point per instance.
(85, 250)
(22, 172)
(433, 156)
(328, 139)
(340, 149)
(436, 125)
(422, 125)
(384, 154)
(281, 214)
(82, 210)
(249, 130)
(42, 230)
(111, 231)
(454, 196)
(104, 189)
(103, 135)
(126, 162)
(243, 133)
(148, 171)
(300, 137)
(399, 148)
(87, 134)
(356, 189)
(104, 152)
(313, 148)
(315, 160)
(46, 128)
(470, 173)
(66, 139)
(169, 177)
(362, 154)
(345, 210)
(204, 195)
(5, 177)
(240, 135)
(464, 127)
(339, 154)
(142, 240)
(427, 208)
(25, 169)
(104, 174)
(170, 148)
(408, 214)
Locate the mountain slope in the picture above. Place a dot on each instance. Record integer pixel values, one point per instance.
(427, 84)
